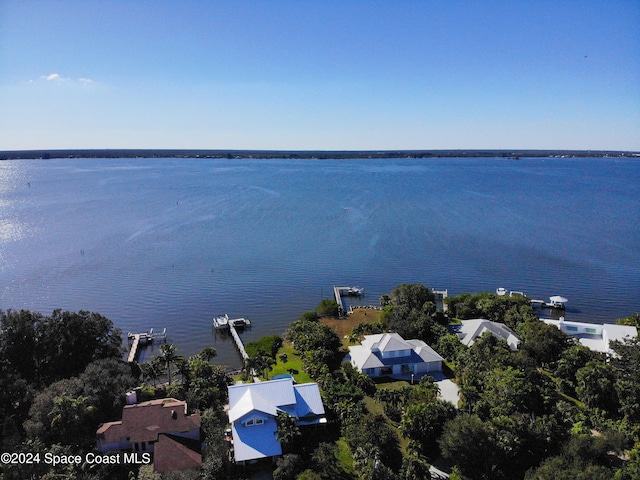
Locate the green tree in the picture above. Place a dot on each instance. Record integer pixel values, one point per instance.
(71, 419)
(596, 386)
(372, 440)
(208, 353)
(543, 343)
(571, 360)
(70, 341)
(19, 343)
(288, 467)
(506, 391)
(485, 354)
(467, 442)
(413, 296)
(583, 458)
(632, 320)
(105, 382)
(415, 467)
(38, 423)
(626, 363)
(288, 431)
(328, 308)
(169, 356)
(424, 422)
(449, 346)
(45, 349)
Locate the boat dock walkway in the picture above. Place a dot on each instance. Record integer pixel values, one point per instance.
(136, 340)
(238, 341)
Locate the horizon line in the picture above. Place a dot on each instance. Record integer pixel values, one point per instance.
(301, 154)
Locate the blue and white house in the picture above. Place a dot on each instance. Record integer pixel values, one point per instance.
(390, 354)
(253, 408)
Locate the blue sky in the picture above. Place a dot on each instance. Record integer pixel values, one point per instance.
(327, 75)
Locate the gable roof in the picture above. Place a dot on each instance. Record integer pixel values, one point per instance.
(469, 330)
(266, 399)
(176, 453)
(368, 355)
(143, 422)
(250, 443)
(273, 396)
(385, 342)
(391, 342)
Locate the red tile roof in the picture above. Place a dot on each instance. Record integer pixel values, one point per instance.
(144, 421)
(174, 453)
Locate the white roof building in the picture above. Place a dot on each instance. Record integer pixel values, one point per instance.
(253, 409)
(596, 337)
(390, 354)
(469, 330)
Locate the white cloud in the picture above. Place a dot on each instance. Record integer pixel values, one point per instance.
(56, 77)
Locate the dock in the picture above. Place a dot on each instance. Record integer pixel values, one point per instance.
(556, 302)
(238, 341)
(222, 322)
(136, 340)
(339, 292)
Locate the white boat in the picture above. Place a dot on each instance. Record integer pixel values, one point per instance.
(355, 291)
(240, 322)
(501, 291)
(221, 321)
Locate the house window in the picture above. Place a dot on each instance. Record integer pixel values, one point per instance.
(254, 421)
(591, 330)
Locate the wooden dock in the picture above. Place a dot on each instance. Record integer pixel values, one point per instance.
(133, 351)
(339, 292)
(136, 340)
(238, 341)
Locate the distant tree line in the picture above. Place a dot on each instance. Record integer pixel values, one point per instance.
(304, 154)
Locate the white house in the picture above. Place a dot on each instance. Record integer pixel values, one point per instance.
(596, 337)
(390, 354)
(253, 409)
(469, 330)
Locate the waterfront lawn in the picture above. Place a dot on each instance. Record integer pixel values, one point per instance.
(344, 326)
(294, 362)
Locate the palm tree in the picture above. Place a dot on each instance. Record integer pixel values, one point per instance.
(151, 371)
(208, 353)
(184, 367)
(168, 355)
(288, 431)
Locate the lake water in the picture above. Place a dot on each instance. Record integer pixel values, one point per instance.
(173, 242)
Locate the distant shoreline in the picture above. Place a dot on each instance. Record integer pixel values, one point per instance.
(308, 154)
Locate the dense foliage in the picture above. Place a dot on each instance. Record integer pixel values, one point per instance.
(553, 409)
(266, 345)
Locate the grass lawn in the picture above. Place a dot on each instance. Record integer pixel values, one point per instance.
(294, 362)
(344, 457)
(392, 385)
(344, 326)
